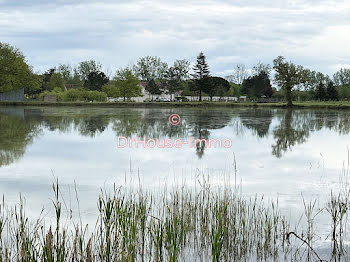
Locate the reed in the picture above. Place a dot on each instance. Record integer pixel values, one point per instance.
(183, 224)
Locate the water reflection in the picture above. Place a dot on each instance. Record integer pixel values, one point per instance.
(295, 126)
(260, 123)
(202, 121)
(292, 130)
(16, 133)
(288, 128)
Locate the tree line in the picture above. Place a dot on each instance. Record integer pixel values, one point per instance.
(180, 78)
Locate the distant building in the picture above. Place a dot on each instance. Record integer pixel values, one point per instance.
(13, 96)
(243, 98)
(50, 98)
(147, 95)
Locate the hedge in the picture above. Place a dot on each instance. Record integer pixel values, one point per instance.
(73, 95)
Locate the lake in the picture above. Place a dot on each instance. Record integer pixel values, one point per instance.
(289, 155)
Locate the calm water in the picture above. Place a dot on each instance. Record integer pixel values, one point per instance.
(279, 153)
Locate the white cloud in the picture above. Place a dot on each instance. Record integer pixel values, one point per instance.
(314, 33)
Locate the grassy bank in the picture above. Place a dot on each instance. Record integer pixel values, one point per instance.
(179, 225)
(326, 105)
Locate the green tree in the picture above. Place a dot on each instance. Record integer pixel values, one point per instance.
(257, 86)
(86, 67)
(314, 78)
(32, 89)
(46, 79)
(56, 81)
(71, 76)
(66, 71)
(216, 86)
(261, 68)
(127, 83)
(154, 88)
(150, 67)
(15, 73)
(111, 89)
(201, 73)
(187, 88)
(235, 90)
(96, 80)
(332, 93)
(343, 92)
(288, 75)
(342, 77)
(176, 76)
(321, 93)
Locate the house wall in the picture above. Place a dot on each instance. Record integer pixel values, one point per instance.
(215, 98)
(13, 96)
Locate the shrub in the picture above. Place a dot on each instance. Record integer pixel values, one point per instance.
(57, 92)
(73, 95)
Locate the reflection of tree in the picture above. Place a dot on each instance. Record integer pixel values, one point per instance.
(258, 120)
(342, 126)
(15, 135)
(146, 123)
(127, 122)
(334, 120)
(296, 126)
(155, 124)
(203, 134)
(201, 121)
(292, 130)
(93, 125)
(293, 126)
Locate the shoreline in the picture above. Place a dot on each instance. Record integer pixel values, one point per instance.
(319, 105)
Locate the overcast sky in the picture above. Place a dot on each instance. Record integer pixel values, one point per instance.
(314, 33)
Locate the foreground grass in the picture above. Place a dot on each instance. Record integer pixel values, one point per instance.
(179, 225)
(310, 104)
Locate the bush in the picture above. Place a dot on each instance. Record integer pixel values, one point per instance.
(73, 95)
(344, 92)
(57, 92)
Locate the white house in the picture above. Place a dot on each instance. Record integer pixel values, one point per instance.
(147, 95)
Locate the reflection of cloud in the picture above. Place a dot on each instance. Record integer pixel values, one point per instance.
(248, 31)
(97, 162)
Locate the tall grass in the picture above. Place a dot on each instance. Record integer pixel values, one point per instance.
(185, 224)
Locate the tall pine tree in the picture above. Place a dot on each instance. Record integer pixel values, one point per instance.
(201, 73)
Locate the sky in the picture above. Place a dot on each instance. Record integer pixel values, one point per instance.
(313, 33)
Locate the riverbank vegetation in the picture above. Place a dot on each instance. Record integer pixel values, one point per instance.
(210, 223)
(73, 95)
(82, 102)
(284, 81)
